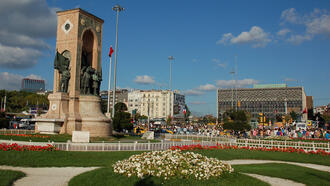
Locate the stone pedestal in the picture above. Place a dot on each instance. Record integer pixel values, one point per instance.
(92, 118)
(54, 121)
(48, 126)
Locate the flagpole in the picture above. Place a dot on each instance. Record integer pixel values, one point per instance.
(109, 88)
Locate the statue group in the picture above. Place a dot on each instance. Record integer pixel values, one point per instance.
(90, 81)
(90, 78)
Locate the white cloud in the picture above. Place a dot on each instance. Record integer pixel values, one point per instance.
(192, 92)
(17, 57)
(283, 32)
(207, 87)
(195, 60)
(298, 39)
(147, 80)
(239, 83)
(316, 22)
(290, 15)
(319, 25)
(219, 63)
(14, 81)
(256, 36)
(225, 38)
(33, 76)
(24, 26)
(197, 103)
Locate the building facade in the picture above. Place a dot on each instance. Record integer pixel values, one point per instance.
(121, 96)
(272, 102)
(156, 104)
(33, 85)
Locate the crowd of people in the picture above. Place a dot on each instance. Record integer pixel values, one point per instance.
(216, 131)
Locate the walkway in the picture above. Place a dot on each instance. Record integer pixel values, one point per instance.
(50, 176)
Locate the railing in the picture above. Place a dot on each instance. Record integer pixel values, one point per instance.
(135, 146)
(16, 131)
(308, 146)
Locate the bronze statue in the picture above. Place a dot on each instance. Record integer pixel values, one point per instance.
(62, 64)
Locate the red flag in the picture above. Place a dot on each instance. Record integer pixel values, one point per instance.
(111, 51)
(305, 110)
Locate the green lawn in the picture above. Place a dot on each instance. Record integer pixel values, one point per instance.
(7, 177)
(106, 176)
(260, 155)
(292, 172)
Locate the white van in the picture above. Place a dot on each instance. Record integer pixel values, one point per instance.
(301, 126)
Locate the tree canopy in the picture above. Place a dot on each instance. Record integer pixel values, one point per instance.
(236, 120)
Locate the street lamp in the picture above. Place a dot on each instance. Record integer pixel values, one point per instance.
(171, 58)
(116, 8)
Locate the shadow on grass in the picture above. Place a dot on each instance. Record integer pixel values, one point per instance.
(145, 182)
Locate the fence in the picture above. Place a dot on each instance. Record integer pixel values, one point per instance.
(135, 146)
(308, 146)
(16, 131)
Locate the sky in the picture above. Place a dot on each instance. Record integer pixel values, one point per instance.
(275, 41)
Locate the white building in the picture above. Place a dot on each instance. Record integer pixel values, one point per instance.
(156, 103)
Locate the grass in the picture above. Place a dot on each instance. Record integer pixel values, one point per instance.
(105, 159)
(106, 176)
(8, 177)
(292, 172)
(230, 154)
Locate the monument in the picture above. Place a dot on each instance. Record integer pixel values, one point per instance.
(74, 104)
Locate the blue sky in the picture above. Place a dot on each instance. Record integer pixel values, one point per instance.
(274, 41)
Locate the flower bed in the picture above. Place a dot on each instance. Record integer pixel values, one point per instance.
(274, 149)
(27, 135)
(172, 163)
(16, 147)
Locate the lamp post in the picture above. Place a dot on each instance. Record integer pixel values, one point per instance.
(116, 8)
(232, 90)
(170, 58)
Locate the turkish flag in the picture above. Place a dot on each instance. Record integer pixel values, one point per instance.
(111, 51)
(305, 110)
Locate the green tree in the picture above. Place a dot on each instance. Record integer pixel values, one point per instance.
(236, 120)
(169, 120)
(122, 119)
(293, 115)
(120, 107)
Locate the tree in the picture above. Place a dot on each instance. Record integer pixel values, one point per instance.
(169, 120)
(293, 115)
(120, 107)
(236, 120)
(122, 119)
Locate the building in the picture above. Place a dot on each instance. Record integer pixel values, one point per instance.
(271, 100)
(156, 104)
(121, 96)
(33, 85)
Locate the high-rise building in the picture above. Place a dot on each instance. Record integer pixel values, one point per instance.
(33, 85)
(270, 100)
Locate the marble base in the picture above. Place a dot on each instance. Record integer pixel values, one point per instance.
(48, 126)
